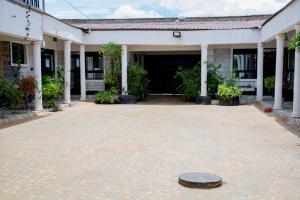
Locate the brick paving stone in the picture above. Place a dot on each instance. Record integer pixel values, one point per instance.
(117, 152)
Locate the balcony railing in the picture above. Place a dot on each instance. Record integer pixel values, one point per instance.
(39, 4)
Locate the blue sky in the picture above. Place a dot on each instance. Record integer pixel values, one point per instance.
(161, 8)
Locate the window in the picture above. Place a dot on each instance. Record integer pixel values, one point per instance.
(244, 63)
(18, 53)
(94, 66)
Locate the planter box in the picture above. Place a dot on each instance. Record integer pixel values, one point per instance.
(203, 100)
(127, 99)
(231, 102)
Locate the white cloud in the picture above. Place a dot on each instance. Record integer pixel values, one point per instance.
(128, 11)
(222, 7)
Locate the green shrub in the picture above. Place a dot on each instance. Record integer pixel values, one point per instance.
(137, 81)
(53, 90)
(214, 77)
(228, 92)
(107, 97)
(269, 82)
(52, 95)
(10, 95)
(190, 82)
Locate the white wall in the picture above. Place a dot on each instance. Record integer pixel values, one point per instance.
(13, 21)
(283, 22)
(241, 36)
(59, 29)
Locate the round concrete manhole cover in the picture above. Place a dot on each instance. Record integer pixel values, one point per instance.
(200, 180)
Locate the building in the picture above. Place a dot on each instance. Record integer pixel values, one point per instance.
(255, 45)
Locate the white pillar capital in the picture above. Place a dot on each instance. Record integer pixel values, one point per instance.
(38, 42)
(279, 37)
(68, 42)
(124, 69)
(260, 45)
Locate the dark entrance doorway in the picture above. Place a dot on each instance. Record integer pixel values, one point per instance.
(75, 74)
(162, 70)
(47, 57)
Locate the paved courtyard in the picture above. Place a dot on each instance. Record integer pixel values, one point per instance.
(136, 152)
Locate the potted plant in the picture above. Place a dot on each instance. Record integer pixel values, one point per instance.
(137, 82)
(269, 83)
(229, 95)
(190, 81)
(214, 78)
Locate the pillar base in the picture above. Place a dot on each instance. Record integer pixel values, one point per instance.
(127, 99)
(203, 100)
(277, 108)
(296, 115)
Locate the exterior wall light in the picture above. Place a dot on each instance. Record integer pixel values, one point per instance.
(177, 34)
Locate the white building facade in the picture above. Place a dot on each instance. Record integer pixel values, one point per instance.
(256, 46)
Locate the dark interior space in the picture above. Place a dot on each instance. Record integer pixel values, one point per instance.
(162, 70)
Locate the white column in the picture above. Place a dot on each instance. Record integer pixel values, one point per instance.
(38, 100)
(260, 72)
(279, 72)
(204, 70)
(124, 69)
(82, 73)
(67, 71)
(296, 100)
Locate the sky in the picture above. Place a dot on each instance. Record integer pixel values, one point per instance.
(96, 9)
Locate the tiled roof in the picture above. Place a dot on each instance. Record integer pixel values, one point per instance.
(192, 23)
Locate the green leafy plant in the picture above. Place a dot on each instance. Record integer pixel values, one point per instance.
(107, 97)
(137, 81)
(53, 90)
(10, 96)
(214, 77)
(269, 82)
(112, 68)
(190, 82)
(295, 43)
(228, 92)
(52, 95)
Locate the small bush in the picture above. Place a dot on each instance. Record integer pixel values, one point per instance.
(107, 97)
(52, 95)
(53, 90)
(137, 81)
(10, 95)
(269, 82)
(190, 82)
(228, 92)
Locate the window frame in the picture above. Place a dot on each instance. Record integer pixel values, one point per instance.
(244, 52)
(25, 64)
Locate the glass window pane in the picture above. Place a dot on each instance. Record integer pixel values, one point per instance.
(18, 53)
